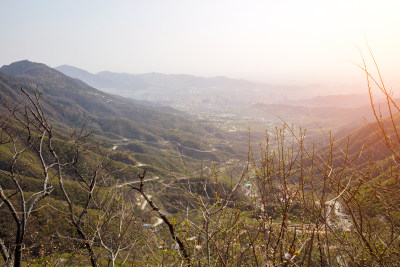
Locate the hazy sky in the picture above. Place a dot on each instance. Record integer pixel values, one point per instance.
(276, 41)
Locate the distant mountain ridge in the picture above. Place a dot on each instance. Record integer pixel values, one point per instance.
(339, 101)
(148, 79)
(178, 87)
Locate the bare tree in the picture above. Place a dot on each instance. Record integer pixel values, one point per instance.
(117, 223)
(183, 249)
(20, 197)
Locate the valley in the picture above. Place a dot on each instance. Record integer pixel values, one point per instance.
(200, 133)
(191, 169)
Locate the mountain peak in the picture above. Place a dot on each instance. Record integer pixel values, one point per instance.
(27, 68)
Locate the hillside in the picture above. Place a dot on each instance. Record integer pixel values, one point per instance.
(92, 199)
(124, 124)
(129, 137)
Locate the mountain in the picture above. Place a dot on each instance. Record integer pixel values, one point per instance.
(87, 77)
(85, 100)
(337, 101)
(120, 122)
(181, 87)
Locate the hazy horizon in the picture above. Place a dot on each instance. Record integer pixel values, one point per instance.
(308, 43)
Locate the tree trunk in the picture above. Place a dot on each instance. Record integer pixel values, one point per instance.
(18, 255)
(19, 245)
